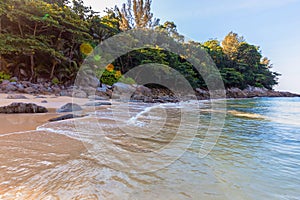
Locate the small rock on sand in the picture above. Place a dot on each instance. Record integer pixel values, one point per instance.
(69, 107)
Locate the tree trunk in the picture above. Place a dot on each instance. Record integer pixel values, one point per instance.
(35, 28)
(54, 63)
(32, 66)
(20, 29)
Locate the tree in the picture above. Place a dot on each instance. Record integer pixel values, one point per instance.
(171, 29)
(215, 50)
(25, 47)
(231, 43)
(136, 14)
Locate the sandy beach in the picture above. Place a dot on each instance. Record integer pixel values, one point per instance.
(10, 123)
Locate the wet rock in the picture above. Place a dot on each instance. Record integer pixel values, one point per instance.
(23, 108)
(95, 104)
(96, 97)
(16, 96)
(70, 107)
(65, 117)
(40, 97)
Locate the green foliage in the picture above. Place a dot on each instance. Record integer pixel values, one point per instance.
(45, 38)
(108, 78)
(55, 81)
(127, 80)
(4, 76)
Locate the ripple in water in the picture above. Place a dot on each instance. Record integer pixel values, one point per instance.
(101, 156)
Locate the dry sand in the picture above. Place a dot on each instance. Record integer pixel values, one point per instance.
(10, 123)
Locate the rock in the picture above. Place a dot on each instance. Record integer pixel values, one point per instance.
(40, 97)
(70, 107)
(41, 80)
(87, 80)
(23, 108)
(94, 82)
(89, 90)
(14, 79)
(29, 90)
(20, 87)
(143, 90)
(44, 101)
(96, 97)
(148, 100)
(79, 94)
(67, 93)
(137, 97)
(104, 88)
(142, 93)
(16, 96)
(10, 87)
(95, 104)
(235, 93)
(5, 82)
(123, 91)
(65, 117)
(202, 94)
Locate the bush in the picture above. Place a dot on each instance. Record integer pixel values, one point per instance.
(127, 80)
(4, 76)
(109, 75)
(55, 81)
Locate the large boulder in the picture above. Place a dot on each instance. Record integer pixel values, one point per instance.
(23, 108)
(123, 91)
(70, 107)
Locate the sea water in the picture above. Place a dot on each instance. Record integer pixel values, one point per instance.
(153, 151)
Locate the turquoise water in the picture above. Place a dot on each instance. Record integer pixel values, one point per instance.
(152, 151)
(260, 157)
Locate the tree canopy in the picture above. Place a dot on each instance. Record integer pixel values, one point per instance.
(51, 38)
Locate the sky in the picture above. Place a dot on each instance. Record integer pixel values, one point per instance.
(274, 25)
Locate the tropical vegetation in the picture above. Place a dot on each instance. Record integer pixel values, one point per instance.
(49, 40)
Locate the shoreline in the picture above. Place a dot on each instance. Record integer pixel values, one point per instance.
(12, 123)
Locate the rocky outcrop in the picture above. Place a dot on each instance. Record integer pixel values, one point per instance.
(23, 108)
(69, 107)
(249, 92)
